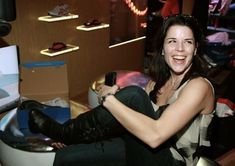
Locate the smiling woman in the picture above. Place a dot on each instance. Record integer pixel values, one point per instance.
(162, 124)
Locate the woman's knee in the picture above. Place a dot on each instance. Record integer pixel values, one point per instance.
(130, 92)
(137, 99)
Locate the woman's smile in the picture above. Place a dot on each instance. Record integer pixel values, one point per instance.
(179, 59)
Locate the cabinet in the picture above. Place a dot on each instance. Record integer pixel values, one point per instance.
(218, 23)
(222, 55)
(221, 18)
(220, 46)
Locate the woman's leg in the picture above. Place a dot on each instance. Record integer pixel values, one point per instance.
(105, 153)
(139, 154)
(95, 125)
(99, 124)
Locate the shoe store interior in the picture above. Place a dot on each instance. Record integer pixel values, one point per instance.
(54, 56)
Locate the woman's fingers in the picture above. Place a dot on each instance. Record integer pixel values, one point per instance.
(104, 90)
(58, 145)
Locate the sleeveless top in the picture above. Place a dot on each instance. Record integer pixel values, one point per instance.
(191, 136)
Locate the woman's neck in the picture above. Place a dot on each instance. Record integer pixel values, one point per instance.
(175, 80)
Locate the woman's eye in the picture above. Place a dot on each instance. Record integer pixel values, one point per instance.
(171, 41)
(189, 42)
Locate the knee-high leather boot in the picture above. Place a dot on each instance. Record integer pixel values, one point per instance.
(95, 125)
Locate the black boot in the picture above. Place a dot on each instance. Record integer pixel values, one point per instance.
(95, 125)
(33, 104)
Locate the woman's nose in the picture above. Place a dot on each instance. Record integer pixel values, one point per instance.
(180, 46)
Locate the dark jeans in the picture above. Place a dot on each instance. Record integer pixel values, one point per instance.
(137, 153)
(105, 153)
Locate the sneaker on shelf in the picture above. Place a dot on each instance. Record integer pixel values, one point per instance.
(59, 10)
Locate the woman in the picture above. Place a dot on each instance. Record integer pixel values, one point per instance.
(165, 130)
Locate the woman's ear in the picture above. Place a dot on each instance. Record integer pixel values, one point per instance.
(195, 51)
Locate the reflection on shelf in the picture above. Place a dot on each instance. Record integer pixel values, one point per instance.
(221, 29)
(51, 53)
(91, 28)
(60, 18)
(128, 41)
(230, 17)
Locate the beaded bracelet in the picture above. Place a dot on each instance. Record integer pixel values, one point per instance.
(103, 98)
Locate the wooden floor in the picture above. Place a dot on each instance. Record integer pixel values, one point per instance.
(81, 98)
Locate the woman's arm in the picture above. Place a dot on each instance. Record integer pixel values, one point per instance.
(193, 99)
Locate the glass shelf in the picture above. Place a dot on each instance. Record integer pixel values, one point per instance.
(91, 28)
(60, 18)
(51, 53)
(221, 29)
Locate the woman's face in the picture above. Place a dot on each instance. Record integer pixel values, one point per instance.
(179, 48)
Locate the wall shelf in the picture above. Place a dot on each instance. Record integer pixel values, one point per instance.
(221, 29)
(91, 28)
(229, 17)
(51, 53)
(60, 18)
(219, 23)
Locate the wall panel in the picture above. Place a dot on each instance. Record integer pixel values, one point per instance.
(94, 56)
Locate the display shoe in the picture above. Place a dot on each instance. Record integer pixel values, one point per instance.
(57, 46)
(94, 22)
(59, 10)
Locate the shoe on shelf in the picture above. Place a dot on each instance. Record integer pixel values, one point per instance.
(59, 10)
(57, 46)
(94, 22)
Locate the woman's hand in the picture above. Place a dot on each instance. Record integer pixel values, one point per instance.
(103, 90)
(58, 145)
